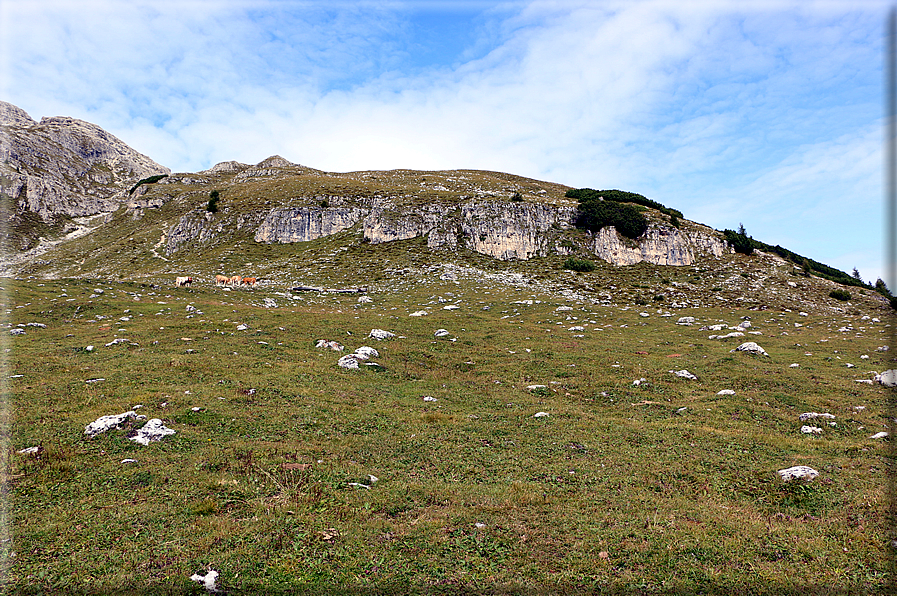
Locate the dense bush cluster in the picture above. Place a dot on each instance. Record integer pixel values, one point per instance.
(839, 294)
(582, 265)
(150, 180)
(739, 241)
(595, 213)
(619, 196)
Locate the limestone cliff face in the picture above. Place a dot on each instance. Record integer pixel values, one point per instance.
(201, 226)
(659, 245)
(513, 230)
(301, 224)
(64, 167)
(501, 229)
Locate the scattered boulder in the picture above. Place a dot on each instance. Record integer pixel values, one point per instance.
(540, 415)
(380, 334)
(879, 435)
(441, 333)
(887, 378)
(365, 352)
(153, 430)
(726, 392)
(797, 473)
(333, 345)
(207, 580)
(751, 348)
(349, 361)
(684, 374)
(419, 313)
(104, 423)
(810, 430)
(813, 415)
(686, 321)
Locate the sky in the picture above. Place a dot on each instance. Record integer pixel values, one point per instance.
(764, 114)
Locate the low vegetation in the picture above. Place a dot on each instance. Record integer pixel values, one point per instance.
(149, 180)
(661, 487)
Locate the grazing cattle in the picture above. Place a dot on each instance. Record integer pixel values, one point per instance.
(183, 281)
(235, 280)
(249, 281)
(221, 280)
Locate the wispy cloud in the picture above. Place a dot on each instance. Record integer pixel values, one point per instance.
(728, 112)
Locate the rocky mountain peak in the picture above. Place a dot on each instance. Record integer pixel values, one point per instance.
(11, 115)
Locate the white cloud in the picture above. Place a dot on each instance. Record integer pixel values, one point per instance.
(765, 114)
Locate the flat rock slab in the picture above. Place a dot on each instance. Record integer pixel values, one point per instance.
(797, 473)
(750, 347)
(104, 423)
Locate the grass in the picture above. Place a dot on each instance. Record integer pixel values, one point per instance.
(618, 489)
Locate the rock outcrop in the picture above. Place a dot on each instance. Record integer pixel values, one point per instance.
(61, 168)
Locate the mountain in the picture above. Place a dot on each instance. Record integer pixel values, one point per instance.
(58, 170)
(84, 204)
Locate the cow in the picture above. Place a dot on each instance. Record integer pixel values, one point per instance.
(183, 281)
(235, 280)
(221, 280)
(249, 281)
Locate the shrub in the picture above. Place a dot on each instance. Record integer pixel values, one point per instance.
(582, 265)
(739, 241)
(893, 302)
(212, 207)
(618, 196)
(150, 180)
(839, 294)
(516, 197)
(674, 221)
(594, 215)
(324, 204)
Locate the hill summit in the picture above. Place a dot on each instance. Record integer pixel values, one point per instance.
(84, 204)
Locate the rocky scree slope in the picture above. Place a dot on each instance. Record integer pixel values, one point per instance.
(60, 169)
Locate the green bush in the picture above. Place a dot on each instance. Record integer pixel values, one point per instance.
(739, 241)
(594, 215)
(212, 207)
(516, 197)
(150, 180)
(584, 195)
(582, 265)
(839, 294)
(674, 221)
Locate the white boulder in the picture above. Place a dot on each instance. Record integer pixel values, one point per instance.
(797, 473)
(153, 430)
(751, 348)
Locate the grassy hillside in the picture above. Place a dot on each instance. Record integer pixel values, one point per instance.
(664, 486)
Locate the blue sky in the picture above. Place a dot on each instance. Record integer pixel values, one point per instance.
(767, 114)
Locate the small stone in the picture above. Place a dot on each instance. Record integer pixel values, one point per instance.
(879, 435)
(813, 415)
(365, 352)
(810, 430)
(349, 361)
(726, 392)
(441, 333)
(380, 334)
(30, 450)
(418, 313)
(429, 398)
(540, 415)
(795, 365)
(686, 321)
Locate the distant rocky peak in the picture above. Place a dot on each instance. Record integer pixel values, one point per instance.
(276, 161)
(226, 167)
(11, 115)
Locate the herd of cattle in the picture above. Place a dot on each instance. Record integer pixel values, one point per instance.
(220, 280)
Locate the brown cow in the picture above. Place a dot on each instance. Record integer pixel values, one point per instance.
(183, 281)
(221, 280)
(249, 281)
(235, 280)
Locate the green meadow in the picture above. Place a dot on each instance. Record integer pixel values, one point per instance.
(661, 487)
